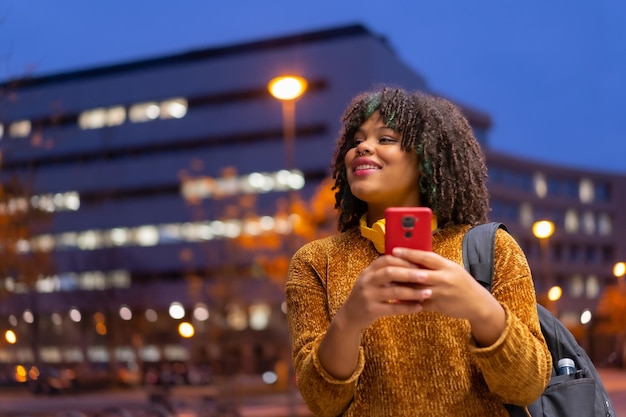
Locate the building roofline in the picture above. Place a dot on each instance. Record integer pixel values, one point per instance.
(324, 35)
(551, 168)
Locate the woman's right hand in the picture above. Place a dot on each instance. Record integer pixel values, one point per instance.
(388, 286)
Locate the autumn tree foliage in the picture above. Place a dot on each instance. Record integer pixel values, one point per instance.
(21, 261)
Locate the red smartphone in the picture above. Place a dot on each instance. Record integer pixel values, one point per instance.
(408, 227)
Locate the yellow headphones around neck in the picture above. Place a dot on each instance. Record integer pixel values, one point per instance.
(376, 233)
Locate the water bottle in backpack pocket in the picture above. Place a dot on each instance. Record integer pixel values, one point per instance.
(567, 395)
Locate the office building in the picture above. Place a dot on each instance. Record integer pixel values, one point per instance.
(169, 190)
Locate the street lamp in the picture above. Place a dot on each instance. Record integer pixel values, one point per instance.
(542, 230)
(287, 89)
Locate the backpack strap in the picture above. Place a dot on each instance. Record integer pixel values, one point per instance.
(479, 245)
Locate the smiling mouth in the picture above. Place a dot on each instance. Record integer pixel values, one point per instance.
(365, 167)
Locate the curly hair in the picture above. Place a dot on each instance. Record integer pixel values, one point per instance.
(451, 163)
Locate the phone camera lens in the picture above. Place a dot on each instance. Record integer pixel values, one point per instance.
(408, 222)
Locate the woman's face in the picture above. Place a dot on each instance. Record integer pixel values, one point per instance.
(379, 171)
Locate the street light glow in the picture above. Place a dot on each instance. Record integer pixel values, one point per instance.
(10, 337)
(619, 270)
(186, 330)
(543, 229)
(555, 293)
(288, 87)
(585, 317)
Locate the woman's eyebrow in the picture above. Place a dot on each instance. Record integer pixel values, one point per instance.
(378, 129)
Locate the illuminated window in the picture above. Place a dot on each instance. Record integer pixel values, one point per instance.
(119, 236)
(571, 221)
(540, 184)
(1, 131)
(56, 202)
(589, 223)
(526, 215)
(576, 286)
(586, 191)
(173, 109)
(47, 284)
(93, 280)
(23, 246)
(71, 201)
(116, 116)
(605, 225)
(73, 354)
(236, 317)
(67, 240)
(259, 316)
(124, 354)
(593, 287)
(20, 129)
(102, 117)
(150, 353)
(92, 119)
(175, 353)
(170, 233)
(119, 279)
(144, 112)
(89, 240)
(98, 354)
(50, 354)
(147, 236)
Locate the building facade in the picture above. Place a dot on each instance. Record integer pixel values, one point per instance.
(165, 194)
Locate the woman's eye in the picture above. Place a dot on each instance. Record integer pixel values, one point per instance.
(386, 139)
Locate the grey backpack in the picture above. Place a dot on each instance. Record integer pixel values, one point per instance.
(581, 394)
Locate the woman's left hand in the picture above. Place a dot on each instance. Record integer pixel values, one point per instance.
(456, 293)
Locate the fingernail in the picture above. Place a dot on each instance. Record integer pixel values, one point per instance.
(398, 251)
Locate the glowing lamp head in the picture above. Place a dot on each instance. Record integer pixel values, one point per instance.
(288, 87)
(543, 229)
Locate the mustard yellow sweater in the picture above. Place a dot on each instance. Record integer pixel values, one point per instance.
(422, 364)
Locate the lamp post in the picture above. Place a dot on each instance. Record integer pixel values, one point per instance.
(619, 271)
(542, 230)
(287, 89)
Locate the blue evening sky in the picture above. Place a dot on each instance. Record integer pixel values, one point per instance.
(551, 74)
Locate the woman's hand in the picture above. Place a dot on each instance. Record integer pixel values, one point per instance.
(388, 286)
(455, 293)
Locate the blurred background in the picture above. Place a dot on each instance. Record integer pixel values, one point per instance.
(161, 162)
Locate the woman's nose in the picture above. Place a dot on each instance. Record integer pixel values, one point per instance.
(363, 148)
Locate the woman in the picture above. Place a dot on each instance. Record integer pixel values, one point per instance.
(448, 347)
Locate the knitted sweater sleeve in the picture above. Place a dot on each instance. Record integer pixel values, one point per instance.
(517, 367)
(306, 298)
